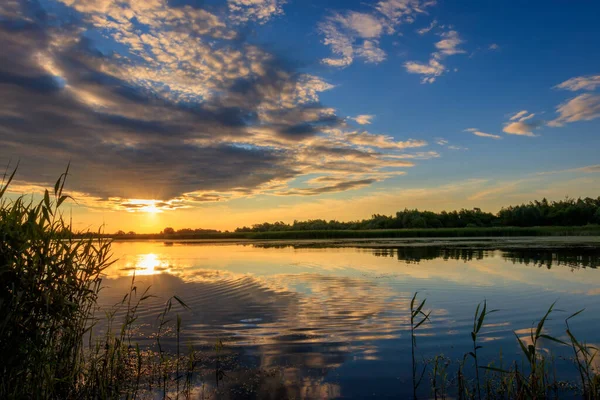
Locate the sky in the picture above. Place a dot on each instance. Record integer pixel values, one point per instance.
(224, 113)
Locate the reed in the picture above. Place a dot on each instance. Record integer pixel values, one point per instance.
(48, 291)
(478, 321)
(49, 288)
(417, 318)
(584, 360)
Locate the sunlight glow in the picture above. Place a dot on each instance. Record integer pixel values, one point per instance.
(148, 264)
(147, 206)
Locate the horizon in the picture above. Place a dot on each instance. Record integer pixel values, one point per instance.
(391, 215)
(230, 113)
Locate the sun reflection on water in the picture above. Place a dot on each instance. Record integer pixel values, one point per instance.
(148, 264)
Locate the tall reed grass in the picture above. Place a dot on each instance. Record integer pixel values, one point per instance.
(535, 379)
(49, 287)
(48, 290)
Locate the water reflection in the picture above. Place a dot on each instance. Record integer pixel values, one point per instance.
(572, 258)
(334, 321)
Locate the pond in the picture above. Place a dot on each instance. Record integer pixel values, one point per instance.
(334, 317)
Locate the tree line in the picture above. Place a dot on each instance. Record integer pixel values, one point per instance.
(567, 212)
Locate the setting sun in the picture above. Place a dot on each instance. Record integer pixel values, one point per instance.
(145, 206)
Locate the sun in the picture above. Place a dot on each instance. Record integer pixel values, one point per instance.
(151, 209)
(145, 206)
(149, 264)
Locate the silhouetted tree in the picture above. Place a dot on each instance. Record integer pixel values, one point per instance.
(567, 212)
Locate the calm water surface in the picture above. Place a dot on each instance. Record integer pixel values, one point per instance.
(335, 320)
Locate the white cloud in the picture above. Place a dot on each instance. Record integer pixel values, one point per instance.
(260, 11)
(431, 70)
(494, 46)
(446, 143)
(477, 132)
(521, 124)
(399, 11)
(588, 169)
(341, 45)
(308, 88)
(371, 52)
(590, 82)
(518, 115)
(353, 34)
(520, 128)
(448, 46)
(584, 107)
(364, 25)
(363, 119)
(382, 141)
(428, 28)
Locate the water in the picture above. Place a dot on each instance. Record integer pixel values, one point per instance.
(335, 320)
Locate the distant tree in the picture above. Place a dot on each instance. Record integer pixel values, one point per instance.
(131, 233)
(597, 216)
(120, 233)
(536, 213)
(168, 231)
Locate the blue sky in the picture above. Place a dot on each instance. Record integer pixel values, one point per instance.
(237, 111)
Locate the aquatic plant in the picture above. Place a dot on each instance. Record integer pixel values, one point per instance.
(478, 320)
(49, 287)
(584, 360)
(417, 318)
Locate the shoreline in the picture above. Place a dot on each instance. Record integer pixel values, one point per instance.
(482, 243)
(387, 234)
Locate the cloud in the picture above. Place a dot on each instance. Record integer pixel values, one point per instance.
(589, 169)
(446, 143)
(584, 107)
(422, 155)
(363, 25)
(383, 141)
(397, 12)
(493, 46)
(518, 115)
(363, 119)
(184, 111)
(522, 125)
(428, 28)
(338, 187)
(501, 188)
(477, 132)
(371, 52)
(448, 46)
(260, 11)
(590, 82)
(352, 34)
(430, 71)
